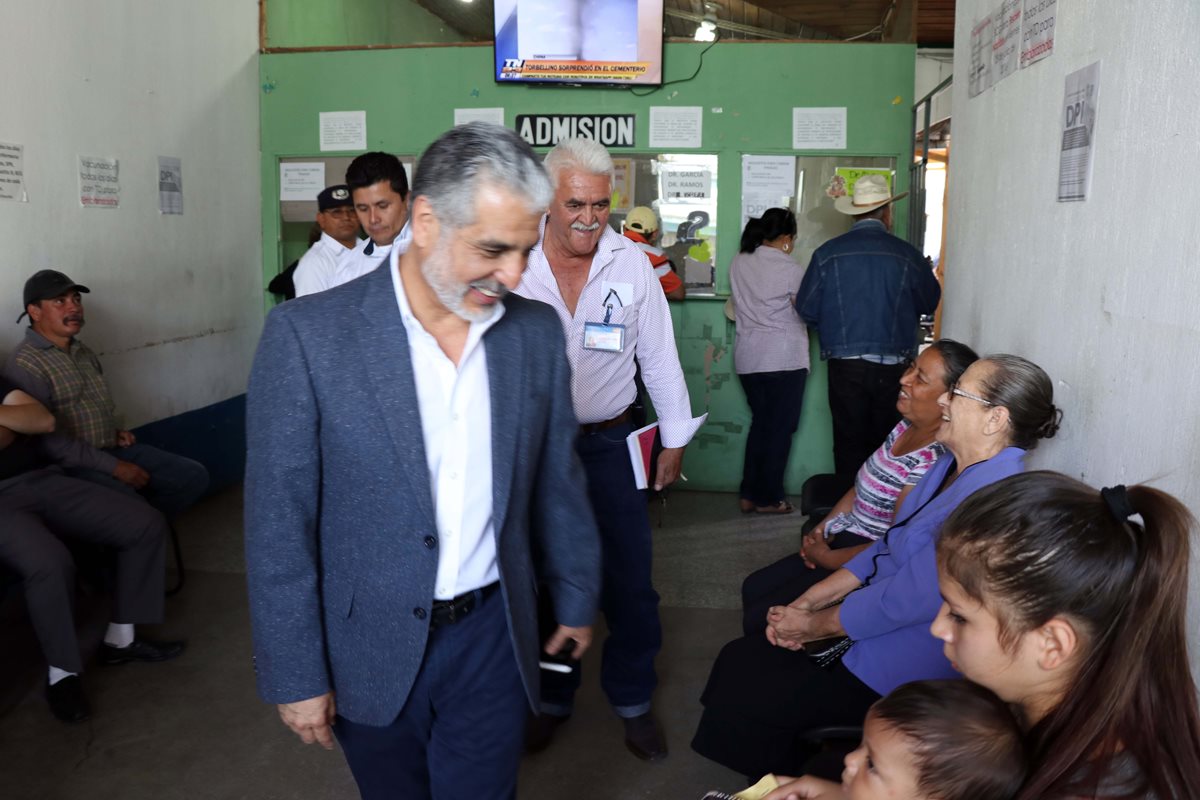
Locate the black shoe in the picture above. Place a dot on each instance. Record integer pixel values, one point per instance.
(67, 701)
(140, 650)
(644, 737)
(539, 731)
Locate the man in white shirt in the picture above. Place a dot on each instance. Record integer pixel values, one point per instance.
(611, 308)
(319, 268)
(406, 489)
(379, 189)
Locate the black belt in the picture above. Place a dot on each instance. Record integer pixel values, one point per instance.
(596, 427)
(448, 612)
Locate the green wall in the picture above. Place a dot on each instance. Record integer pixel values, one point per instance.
(409, 95)
(353, 23)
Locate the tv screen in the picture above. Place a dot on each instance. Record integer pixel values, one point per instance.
(579, 41)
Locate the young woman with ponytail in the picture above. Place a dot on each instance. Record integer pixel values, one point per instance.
(1070, 603)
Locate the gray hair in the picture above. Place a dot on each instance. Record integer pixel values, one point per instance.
(1026, 391)
(461, 160)
(579, 154)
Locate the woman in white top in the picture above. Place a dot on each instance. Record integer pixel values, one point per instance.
(770, 354)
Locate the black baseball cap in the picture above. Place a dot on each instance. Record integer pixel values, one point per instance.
(46, 284)
(334, 197)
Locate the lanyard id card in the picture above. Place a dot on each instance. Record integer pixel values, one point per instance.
(604, 336)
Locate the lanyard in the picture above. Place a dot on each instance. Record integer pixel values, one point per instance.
(608, 306)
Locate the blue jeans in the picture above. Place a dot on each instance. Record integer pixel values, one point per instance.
(459, 733)
(627, 595)
(175, 483)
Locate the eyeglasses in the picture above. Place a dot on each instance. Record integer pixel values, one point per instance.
(962, 393)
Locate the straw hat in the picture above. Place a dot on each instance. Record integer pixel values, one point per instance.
(869, 193)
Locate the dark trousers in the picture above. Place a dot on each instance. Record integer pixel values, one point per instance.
(175, 483)
(36, 509)
(627, 595)
(775, 399)
(458, 736)
(862, 402)
(761, 701)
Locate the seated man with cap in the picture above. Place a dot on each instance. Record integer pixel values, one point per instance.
(64, 375)
(40, 507)
(641, 227)
(319, 269)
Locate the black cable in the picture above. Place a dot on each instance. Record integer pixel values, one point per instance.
(636, 93)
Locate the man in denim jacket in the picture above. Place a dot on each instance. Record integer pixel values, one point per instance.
(864, 292)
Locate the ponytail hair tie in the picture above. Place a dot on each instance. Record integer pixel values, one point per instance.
(1117, 500)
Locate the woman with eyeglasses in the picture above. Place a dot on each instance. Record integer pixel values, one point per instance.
(766, 690)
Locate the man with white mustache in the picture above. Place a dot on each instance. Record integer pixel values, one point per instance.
(612, 309)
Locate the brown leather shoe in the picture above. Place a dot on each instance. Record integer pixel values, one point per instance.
(539, 731)
(644, 737)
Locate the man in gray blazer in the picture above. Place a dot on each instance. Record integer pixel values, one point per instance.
(410, 478)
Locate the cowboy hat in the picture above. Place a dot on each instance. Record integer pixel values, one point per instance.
(869, 193)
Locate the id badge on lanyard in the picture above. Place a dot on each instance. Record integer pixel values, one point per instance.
(608, 336)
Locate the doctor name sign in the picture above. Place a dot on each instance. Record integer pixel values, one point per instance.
(547, 130)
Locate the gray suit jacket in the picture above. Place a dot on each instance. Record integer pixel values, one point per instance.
(339, 506)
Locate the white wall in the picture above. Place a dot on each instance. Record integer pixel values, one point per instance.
(1104, 294)
(176, 303)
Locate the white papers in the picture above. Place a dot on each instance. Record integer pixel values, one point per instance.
(99, 182)
(1037, 31)
(672, 126)
(12, 173)
(1079, 131)
(301, 180)
(979, 76)
(343, 130)
(686, 183)
(1007, 36)
(819, 128)
(170, 185)
(767, 182)
(464, 115)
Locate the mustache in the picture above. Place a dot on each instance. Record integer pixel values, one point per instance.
(73, 318)
(579, 226)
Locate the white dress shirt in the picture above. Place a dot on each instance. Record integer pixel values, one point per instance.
(319, 268)
(456, 420)
(367, 256)
(602, 385)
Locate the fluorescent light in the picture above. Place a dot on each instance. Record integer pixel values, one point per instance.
(706, 31)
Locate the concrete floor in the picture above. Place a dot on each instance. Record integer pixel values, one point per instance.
(193, 727)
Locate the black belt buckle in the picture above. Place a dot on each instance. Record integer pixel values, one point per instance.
(448, 612)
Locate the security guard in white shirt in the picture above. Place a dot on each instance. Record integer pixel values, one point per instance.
(319, 268)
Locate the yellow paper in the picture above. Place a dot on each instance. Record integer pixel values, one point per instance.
(759, 790)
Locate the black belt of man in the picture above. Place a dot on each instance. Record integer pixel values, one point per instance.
(448, 612)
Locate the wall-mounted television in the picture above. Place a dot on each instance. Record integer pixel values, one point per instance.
(612, 42)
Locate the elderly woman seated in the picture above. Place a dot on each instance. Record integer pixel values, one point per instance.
(866, 511)
(766, 690)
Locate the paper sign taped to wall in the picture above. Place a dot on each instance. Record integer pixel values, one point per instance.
(819, 128)
(464, 115)
(170, 185)
(12, 172)
(301, 180)
(99, 182)
(672, 126)
(343, 130)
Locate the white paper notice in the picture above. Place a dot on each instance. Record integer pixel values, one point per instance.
(684, 183)
(767, 182)
(99, 182)
(672, 126)
(301, 180)
(464, 115)
(1037, 31)
(1079, 132)
(819, 128)
(12, 173)
(1007, 37)
(170, 185)
(982, 37)
(343, 130)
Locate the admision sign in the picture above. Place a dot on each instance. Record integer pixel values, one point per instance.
(547, 130)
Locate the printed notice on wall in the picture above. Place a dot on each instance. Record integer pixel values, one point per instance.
(343, 130)
(1079, 134)
(624, 183)
(1005, 52)
(672, 126)
(767, 182)
(1037, 31)
(170, 185)
(684, 184)
(464, 115)
(99, 182)
(301, 180)
(12, 172)
(979, 76)
(819, 128)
